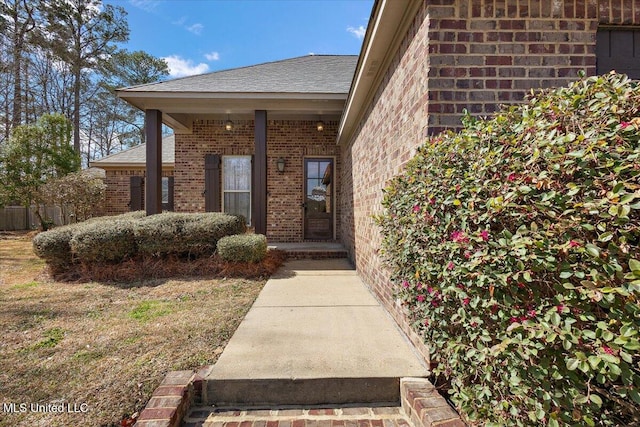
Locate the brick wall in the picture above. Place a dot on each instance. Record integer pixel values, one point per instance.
(118, 188)
(292, 140)
(484, 53)
(458, 54)
(385, 140)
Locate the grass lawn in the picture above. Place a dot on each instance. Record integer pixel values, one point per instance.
(103, 347)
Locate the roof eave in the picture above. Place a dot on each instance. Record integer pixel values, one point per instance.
(180, 109)
(389, 22)
(126, 165)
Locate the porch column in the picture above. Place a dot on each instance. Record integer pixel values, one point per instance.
(260, 173)
(153, 181)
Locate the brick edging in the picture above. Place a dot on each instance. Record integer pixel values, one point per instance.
(424, 406)
(171, 401)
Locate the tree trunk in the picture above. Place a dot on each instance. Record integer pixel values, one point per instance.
(76, 110)
(16, 117)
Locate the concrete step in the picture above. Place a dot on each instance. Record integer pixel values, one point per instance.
(315, 335)
(305, 391)
(311, 250)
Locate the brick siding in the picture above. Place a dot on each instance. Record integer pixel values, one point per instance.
(484, 53)
(456, 55)
(292, 140)
(384, 141)
(118, 194)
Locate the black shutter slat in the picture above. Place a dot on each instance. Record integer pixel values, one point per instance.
(212, 189)
(171, 205)
(136, 193)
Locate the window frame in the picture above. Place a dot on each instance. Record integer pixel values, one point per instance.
(224, 191)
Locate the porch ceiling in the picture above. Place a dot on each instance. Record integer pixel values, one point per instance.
(180, 110)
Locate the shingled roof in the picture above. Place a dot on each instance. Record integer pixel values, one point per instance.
(305, 74)
(136, 156)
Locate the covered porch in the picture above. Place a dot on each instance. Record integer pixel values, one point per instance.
(258, 141)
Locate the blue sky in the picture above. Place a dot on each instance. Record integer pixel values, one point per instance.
(199, 36)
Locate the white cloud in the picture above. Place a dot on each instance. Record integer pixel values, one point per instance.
(180, 67)
(180, 21)
(358, 32)
(147, 5)
(213, 56)
(195, 28)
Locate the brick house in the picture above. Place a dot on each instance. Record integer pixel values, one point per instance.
(421, 65)
(124, 174)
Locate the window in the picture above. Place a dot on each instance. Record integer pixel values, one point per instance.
(167, 193)
(236, 187)
(618, 49)
(165, 190)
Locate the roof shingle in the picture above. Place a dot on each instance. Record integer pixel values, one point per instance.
(305, 74)
(137, 155)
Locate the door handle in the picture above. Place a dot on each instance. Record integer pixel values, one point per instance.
(204, 192)
(303, 205)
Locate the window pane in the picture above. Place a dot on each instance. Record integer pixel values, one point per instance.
(238, 204)
(165, 189)
(237, 173)
(313, 169)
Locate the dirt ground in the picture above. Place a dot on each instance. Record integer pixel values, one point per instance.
(101, 349)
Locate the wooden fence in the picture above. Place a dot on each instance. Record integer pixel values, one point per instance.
(17, 218)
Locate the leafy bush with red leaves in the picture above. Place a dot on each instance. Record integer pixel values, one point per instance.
(515, 248)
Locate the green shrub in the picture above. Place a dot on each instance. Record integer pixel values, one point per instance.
(161, 234)
(203, 231)
(53, 245)
(243, 248)
(103, 241)
(128, 215)
(184, 233)
(514, 246)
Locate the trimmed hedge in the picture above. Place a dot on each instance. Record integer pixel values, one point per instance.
(204, 231)
(103, 241)
(160, 234)
(243, 248)
(515, 247)
(53, 245)
(178, 233)
(115, 238)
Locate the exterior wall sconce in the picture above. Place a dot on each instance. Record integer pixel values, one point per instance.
(228, 125)
(280, 163)
(320, 125)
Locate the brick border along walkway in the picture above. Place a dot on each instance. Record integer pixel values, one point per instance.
(422, 406)
(297, 417)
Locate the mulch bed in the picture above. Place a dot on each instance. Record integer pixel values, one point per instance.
(145, 268)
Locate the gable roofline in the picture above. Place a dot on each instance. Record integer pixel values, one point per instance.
(312, 84)
(136, 88)
(388, 25)
(135, 157)
(300, 75)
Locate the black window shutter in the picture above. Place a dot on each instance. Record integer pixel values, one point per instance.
(136, 193)
(212, 188)
(170, 206)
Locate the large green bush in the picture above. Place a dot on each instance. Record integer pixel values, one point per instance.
(103, 241)
(243, 248)
(202, 233)
(53, 245)
(160, 234)
(180, 233)
(514, 246)
(115, 238)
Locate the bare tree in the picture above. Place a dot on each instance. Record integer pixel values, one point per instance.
(17, 21)
(82, 34)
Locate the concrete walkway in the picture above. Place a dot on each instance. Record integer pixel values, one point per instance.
(315, 335)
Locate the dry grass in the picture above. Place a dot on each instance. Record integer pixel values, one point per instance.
(104, 345)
